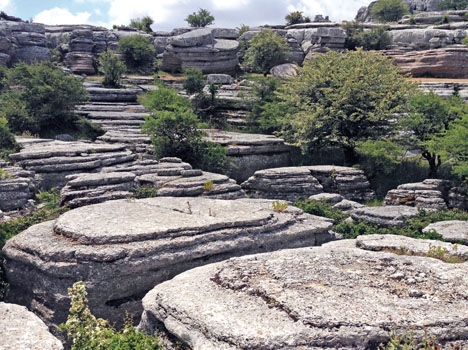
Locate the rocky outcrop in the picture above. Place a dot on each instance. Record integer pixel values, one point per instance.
(294, 298)
(168, 177)
(416, 39)
(293, 183)
(248, 153)
(205, 49)
(17, 188)
(455, 231)
(386, 216)
(21, 329)
(446, 89)
(429, 194)
(123, 248)
(446, 62)
(20, 41)
(52, 160)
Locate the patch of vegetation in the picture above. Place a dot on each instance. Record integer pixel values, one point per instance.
(243, 28)
(279, 206)
(453, 5)
(296, 17)
(112, 68)
(41, 99)
(138, 53)
(146, 191)
(321, 208)
(408, 341)
(389, 10)
(266, 50)
(202, 18)
(8, 143)
(208, 186)
(143, 24)
(88, 332)
(376, 38)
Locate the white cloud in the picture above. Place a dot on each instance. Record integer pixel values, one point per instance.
(59, 15)
(7, 6)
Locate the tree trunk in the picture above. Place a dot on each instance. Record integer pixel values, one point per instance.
(350, 156)
(434, 163)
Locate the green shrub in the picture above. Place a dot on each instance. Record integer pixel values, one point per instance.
(453, 5)
(41, 99)
(146, 191)
(138, 53)
(194, 81)
(243, 29)
(321, 208)
(296, 17)
(112, 68)
(7, 139)
(376, 38)
(389, 10)
(143, 24)
(90, 333)
(202, 18)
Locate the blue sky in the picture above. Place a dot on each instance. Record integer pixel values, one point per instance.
(169, 14)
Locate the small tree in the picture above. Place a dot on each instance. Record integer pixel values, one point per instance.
(194, 81)
(143, 24)
(342, 99)
(266, 50)
(296, 17)
(202, 18)
(46, 101)
(7, 139)
(389, 10)
(112, 68)
(376, 38)
(137, 52)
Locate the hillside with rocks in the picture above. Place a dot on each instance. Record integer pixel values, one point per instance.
(237, 260)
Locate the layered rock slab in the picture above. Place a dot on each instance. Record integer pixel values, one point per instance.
(344, 295)
(21, 329)
(123, 248)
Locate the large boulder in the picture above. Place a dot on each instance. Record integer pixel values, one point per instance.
(343, 295)
(21, 329)
(123, 248)
(455, 231)
(425, 38)
(386, 216)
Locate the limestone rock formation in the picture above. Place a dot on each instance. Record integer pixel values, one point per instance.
(455, 231)
(17, 187)
(21, 329)
(429, 194)
(248, 153)
(293, 183)
(425, 38)
(343, 295)
(53, 160)
(391, 215)
(123, 248)
(203, 49)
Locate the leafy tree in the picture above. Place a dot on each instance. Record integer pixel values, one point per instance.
(44, 103)
(296, 17)
(194, 81)
(389, 10)
(453, 5)
(112, 68)
(342, 99)
(7, 139)
(429, 114)
(376, 38)
(452, 144)
(143, 24)
(173, 129)
(202, 18)
(266, 50)
(137, 52)
(243, 28)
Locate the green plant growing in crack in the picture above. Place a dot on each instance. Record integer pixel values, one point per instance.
(208, 186)
(279, 206)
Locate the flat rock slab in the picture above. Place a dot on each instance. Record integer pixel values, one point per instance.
(391, 215)
(21, 329)
(455, 231)
(123, 248)
(338, 296)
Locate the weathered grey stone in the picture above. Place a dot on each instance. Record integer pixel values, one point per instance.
(348, 206)
(122, 248)
(455, 231)
(284, 71)
(21, 329)
(251, 152)
(224, 79)
(327, 197)
(429, 194)
(295, 298)
(391, 215)
(197, 37)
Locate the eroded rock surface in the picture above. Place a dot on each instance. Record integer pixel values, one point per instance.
(455, 231)
(21, 329)
(429, 194)
(390, 215)
(343, 295)
(123, 248)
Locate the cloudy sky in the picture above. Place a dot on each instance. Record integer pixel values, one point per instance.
(169, 14)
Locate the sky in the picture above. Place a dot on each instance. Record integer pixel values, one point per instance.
(170, 14)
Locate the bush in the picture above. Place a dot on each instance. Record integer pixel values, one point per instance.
(143, 24)
(202, 18)
(112, 68)
(45, 102)
(88, 332)
(266, 50)
(453, 5)
(7, 139)
(194, 81)
(296, 17)
(389, 10)
(376, 38)
(138, 53)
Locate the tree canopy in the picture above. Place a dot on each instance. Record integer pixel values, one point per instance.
(389, 10)
(453, 5)
(341, 99)
(266, 50)
(143, 24)
(202, 18)
(137, 52)
(296, 17)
